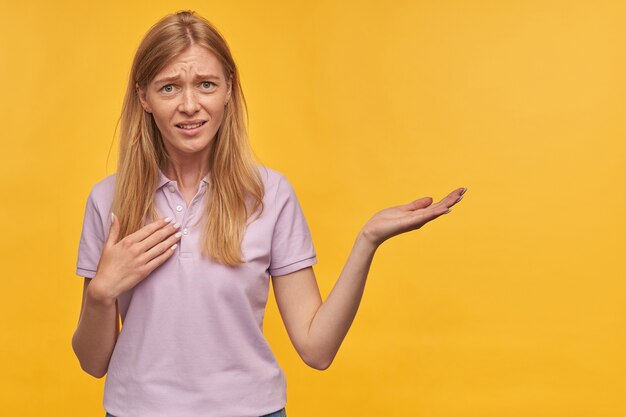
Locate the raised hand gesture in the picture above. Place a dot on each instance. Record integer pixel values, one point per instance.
(400, 219)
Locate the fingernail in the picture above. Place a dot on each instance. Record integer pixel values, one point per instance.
(460, 198)
(177, 225)
(112, 217)
(168, 219)
(464, 189)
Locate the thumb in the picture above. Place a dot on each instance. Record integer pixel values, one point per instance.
(419, 203)
(114, 231)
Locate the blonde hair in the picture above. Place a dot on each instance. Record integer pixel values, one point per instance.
(233, 177)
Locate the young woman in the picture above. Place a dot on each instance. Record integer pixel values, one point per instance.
(181, 243)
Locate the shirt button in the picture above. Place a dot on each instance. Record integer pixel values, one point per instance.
(185, 231)
(179, 208)
(171, 188)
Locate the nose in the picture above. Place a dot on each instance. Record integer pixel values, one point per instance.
(189, 102)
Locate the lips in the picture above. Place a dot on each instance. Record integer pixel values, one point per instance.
(190, 125)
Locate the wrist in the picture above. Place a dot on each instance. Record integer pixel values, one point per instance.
(99, 296)
(365, 240)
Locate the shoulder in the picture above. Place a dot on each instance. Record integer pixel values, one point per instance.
(101, 194)
(271, 178)
(278, 189)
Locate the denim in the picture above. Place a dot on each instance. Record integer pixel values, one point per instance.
(280, 413)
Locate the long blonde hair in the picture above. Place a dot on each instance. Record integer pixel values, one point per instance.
(233, 177)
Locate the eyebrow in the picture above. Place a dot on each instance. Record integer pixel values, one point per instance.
(176, 77)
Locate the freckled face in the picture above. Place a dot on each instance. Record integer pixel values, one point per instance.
(187, 100)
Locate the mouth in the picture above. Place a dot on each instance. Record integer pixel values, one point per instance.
(190, 128)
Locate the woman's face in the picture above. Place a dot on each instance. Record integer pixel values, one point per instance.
(187, 100)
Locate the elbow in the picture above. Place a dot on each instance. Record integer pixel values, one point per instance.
(318, 363)
(96, 373)
(319, 366)
(93, 371)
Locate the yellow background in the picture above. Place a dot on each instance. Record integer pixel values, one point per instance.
(514, 304)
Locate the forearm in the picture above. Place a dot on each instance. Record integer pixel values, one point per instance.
(96, 334)
(334, 317)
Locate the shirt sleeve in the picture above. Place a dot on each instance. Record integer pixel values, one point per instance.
(91, 239)
(292, 246)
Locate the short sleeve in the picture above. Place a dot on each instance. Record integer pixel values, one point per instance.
(91, 240)
(292, 246)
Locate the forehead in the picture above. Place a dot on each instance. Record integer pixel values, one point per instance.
(194, 60)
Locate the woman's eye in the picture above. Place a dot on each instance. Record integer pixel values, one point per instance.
(207, 84)
(167, 88)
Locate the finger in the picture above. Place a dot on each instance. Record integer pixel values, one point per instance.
(424, 216)
(147, 230)
(451, 199)
(161, 252)
(418, 204)
(157, 237)
(114, 231)
(457, 195)
(153, 264)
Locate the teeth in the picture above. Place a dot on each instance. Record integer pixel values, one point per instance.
(190, 126)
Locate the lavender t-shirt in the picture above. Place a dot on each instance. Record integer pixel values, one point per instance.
(192, 343)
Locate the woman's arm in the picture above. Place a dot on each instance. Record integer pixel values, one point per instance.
(122, 265)
(97, 331)
(317, 329)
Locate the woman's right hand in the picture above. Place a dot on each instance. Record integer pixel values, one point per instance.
(125, 263)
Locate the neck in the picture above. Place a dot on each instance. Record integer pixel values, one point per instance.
(187, 173)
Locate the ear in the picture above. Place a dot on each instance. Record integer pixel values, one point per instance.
(142, 98)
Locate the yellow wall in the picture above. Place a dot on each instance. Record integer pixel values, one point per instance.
(512, 305)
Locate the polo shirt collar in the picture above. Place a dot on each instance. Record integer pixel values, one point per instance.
(164, 180)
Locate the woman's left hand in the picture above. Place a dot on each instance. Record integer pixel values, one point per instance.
(400, 219)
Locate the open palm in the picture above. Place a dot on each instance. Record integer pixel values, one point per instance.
(400, 219)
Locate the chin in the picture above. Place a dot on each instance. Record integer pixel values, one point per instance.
(195, 148)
